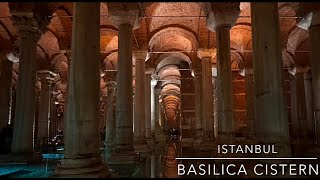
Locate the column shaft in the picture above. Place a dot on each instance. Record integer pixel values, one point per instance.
(52, 117)
(24, 109)
(157, 108)
(198, 100)
(124, 122)
(81, 127)
(207, 91)
(153, 106)
(139, 101)
(250, 111)
(43, 123)
(224, 77)
(314, 32)
(148, 105)
(309, 103)
(271, 116)
(110, 116)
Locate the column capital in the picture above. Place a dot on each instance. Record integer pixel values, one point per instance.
(299, 70)
(125, 13)
(46, 76)
(214, 71)
(29, 24)
(111, 86)
(154, 82)
(223, 14)
(206, 53)
(310, 13)
(140, 55)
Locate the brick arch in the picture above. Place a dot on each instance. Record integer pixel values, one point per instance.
(173, 37)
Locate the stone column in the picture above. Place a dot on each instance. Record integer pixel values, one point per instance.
(215, 106)
(271, 116)
(207, 91)
(298, 105)
(309, 103)
(198, 99)
(5, 81)
(139, 97)
(148, 104)
(157, 107)
(36, 120)
(29, 30)
(153, 106)
(314, 32)
(52, 117)
(124, 17)
(250, 111)
(221, 19)
(109, 115)
(82, 157)
(46, 78)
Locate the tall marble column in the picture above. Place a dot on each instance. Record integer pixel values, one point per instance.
(157, 107)
(139, 97)
(271, 122)
(124, 17)
(148, 103)
(29, 29)
(198, 99)
(207, 91)
(153, 106)
(5, 81)
(221, 20)
(82, 157)
(46, 78)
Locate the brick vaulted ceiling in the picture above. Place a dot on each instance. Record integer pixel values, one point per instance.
(176, 27)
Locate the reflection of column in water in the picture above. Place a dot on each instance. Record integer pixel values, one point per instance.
(170, 165)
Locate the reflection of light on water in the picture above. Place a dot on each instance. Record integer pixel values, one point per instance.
(170, 163)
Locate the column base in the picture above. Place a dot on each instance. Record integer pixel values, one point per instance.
(151, 143)
(84, 168)
(108, 150)
(140, 145)
(187, 142)
(226, 138)
(206, 144)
